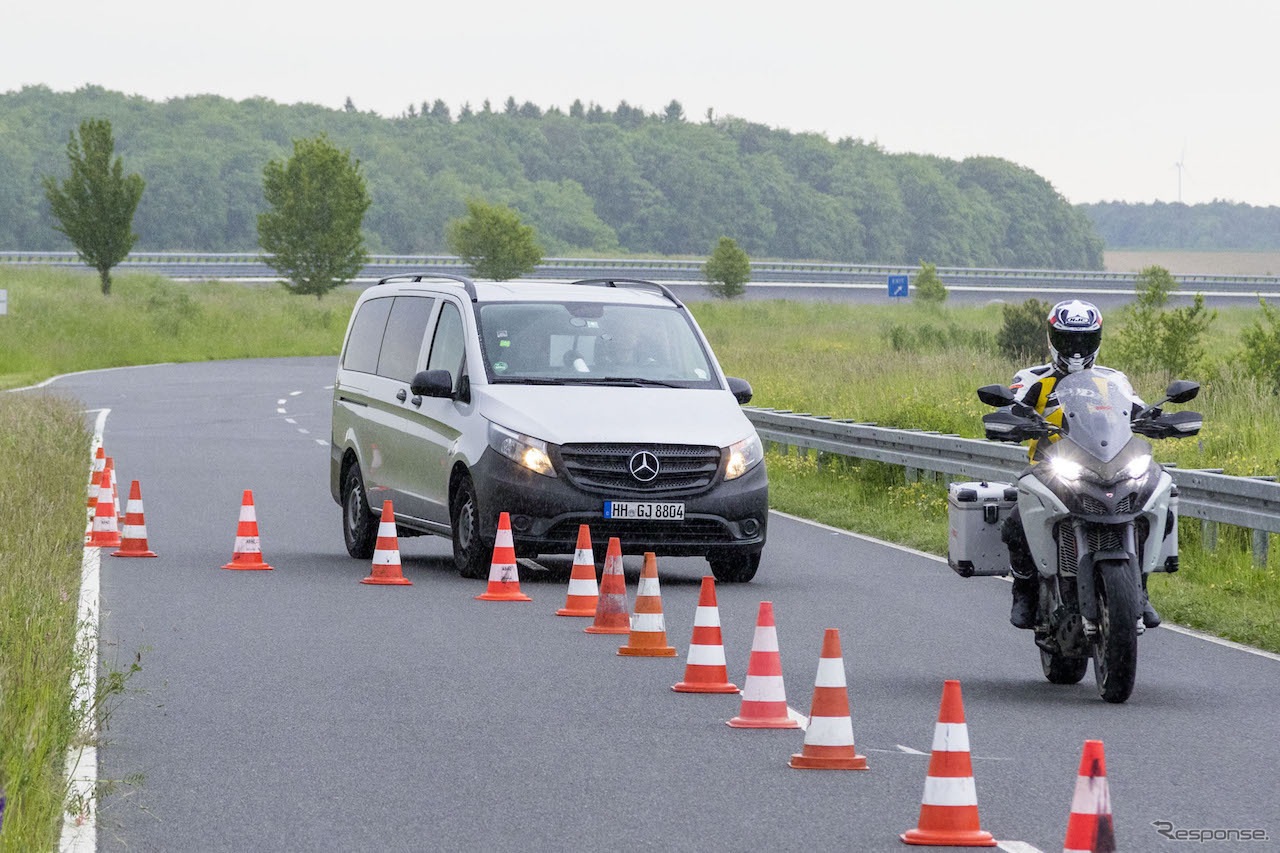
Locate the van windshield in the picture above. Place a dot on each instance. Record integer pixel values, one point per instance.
(584, 343)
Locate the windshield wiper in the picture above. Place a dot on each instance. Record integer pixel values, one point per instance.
(628, 380)
(528, 380)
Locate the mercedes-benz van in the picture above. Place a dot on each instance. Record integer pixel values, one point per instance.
(597, 402)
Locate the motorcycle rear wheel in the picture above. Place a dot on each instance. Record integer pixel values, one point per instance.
(1063, 670)
(1115, 647)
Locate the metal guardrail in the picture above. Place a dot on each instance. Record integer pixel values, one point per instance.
(248, 265)
(1210, 496)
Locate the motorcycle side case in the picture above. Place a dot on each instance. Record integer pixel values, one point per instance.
(1168, 561)
(977, 512)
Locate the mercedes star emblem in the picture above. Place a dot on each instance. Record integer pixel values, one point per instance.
(643, 466)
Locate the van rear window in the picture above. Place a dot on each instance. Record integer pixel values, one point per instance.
(365, 340)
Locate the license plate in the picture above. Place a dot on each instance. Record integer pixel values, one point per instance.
(644, 511)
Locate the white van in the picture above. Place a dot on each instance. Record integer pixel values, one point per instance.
(597, 402)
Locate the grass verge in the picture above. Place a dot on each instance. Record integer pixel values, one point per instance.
(45, 453)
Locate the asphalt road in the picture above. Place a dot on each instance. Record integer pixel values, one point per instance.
(300, 710)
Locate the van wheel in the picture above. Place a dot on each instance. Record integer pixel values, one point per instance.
(735, 568)
(359, 525)
(471, 551)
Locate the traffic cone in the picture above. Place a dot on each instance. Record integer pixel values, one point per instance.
(949, 809)
(648, 636)
(764, 699)
(704, 671)
(248, 553)
(115, 486)
(583, 594)
(105, 533)
(504, 577)
(1089, 829)
(95, 478)
(828, 741)
(386, 553)
(134, 536)
(611, 606)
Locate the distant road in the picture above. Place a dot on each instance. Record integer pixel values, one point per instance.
(770, 279)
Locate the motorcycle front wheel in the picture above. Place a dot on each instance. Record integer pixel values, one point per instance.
(1115, 647)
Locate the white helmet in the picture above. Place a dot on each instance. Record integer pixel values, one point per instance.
(1075, 335)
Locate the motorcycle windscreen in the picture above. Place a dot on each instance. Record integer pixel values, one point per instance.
(1095, 413)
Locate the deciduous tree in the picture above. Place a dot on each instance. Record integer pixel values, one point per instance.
(727, 270)
(494, 242)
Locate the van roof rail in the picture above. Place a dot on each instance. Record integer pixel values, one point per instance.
(467, 284)
(631, 282)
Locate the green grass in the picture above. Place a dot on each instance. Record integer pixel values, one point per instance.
(42, 513)
(59, 321)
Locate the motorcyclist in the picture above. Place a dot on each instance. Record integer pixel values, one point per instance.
(1075, 335)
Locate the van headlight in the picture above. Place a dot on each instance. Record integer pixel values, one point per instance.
(523, 450)
(1137, 469)
(743, 456)
(1066, 469)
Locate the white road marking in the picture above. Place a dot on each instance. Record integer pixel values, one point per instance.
(80, 831)
(304, 431)
(294, 393)
(328, 387)
(909, 751)
(53, 379)
(321, 441)
(281, 401)
(290, 421)
(1177, 629)
(281, 411)
(1017, 847)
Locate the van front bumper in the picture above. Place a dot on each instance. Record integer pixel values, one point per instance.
(728, 518)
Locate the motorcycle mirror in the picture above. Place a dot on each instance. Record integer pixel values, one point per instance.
(1182, 391)
(995, 395)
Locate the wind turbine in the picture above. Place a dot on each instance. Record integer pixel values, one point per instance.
(1180, 165)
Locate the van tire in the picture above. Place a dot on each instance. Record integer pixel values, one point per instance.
(472, 552)
(359, 525)
(735, 568)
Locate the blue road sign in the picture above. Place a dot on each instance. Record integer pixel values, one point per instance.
(897, 285)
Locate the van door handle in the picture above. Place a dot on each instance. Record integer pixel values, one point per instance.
(417, 401)
(401, 395)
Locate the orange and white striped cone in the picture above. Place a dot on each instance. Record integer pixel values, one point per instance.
(1089, 829)
(115, 486)
(828, 741)
(704, 670)
(134, 536)
(95, 477)
(764, 698)
(504, 577)
(105, 533)
(386, 553)
(583, 594)
(611, 608)
(248, 552)
(949, 809)
(648, 635)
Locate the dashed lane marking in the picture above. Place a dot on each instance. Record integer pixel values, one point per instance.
(1177, 629)
(281, 411)
(294, 393)
(290, 421)
(304, 431)
(909, 751)
(281, 401)
(1017, 847)
(321, 441)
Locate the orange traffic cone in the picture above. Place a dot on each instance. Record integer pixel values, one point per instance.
(248, 553)
(1089, 829)
(648, 636)
(386, 552)
(95, 478)
(134, 537)
(105, 533)
(611, 608)
(764, 699)
(115, 486)
(949, 809)
(828, 741)
(583, 594)
(704, 671)
(504, 577)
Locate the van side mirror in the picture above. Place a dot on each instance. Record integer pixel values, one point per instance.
(432, 383)
(1182, 391)
(996, 395)
(740, 389)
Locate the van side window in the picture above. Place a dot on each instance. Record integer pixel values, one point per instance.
(365, 339)
(447, 348)
(406, 330)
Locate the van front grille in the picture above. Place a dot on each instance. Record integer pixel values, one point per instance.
(606, 468)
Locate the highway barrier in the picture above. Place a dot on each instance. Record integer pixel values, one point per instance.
(231, 265)
(1215, 498)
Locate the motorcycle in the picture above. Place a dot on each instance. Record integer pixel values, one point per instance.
(1098, 515)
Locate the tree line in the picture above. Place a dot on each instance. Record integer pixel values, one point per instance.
(589, 179)
(1221, 225)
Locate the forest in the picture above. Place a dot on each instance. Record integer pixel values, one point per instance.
(1217, 225)
(590, 179)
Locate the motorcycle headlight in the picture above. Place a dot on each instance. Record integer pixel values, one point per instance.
(1137, 469)
(1065, 469)
(521, 449)
(743, 456)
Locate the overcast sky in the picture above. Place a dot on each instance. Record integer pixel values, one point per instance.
(1100, 98)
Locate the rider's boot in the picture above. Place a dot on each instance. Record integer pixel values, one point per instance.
(1150, 618)
(1026, 597)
